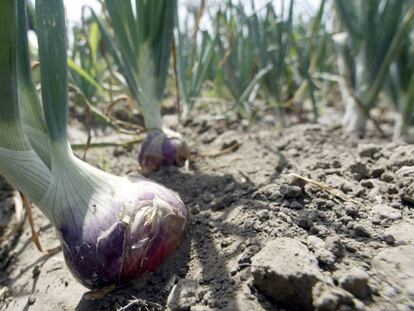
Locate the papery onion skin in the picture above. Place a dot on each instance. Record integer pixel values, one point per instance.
(162, 149)
(133, 240)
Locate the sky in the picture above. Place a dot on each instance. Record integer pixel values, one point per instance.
(74, 8)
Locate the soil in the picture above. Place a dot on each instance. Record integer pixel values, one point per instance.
(310, 218)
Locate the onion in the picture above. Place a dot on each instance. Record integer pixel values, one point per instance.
(162, 148)
(144, 61)
(117, 228)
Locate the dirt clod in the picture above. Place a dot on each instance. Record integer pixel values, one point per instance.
(329, 298)
(359, 170)
(286, 271)
(335, 245)
(184, 294)
(368, 150)
(289, 191)
(355, 281)
(362, 230)
(325, 257)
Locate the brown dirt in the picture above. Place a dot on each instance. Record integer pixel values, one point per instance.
(240, 201)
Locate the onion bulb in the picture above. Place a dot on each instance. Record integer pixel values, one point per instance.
(113, 229)
(162, 148)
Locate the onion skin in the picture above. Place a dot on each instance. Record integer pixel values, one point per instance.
(162, 148)
(134, 238)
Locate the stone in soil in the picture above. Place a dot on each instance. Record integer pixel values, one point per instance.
(368, 150)
(305, 222)
(286, 271)
(244, 259)
(329, 298)
(355, 281)
(335, 245)
(289, 191)
(4, 292)
(359, 170)
(314, 243)
(387, 177)
(325, 257)
(407, 195)
(385, 213)
(184, 295)
(362, 230)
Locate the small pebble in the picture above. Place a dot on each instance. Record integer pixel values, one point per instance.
(359, 170)
(377, 172)
(387, 177)
(362, 231)
(295, 205)
(368, 150)
(207, 197)
(351, 210)
(305, 222)
(289, 191)
(314, 243)
(335, 245)
(263, 214)
(325, 257)
(389, 239)
(367, 184)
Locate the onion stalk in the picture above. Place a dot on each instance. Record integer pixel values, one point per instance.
(31, 108)
(141, 48)
(112, 229)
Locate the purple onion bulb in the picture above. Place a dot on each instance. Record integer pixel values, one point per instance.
(162, 148)
(123, 234)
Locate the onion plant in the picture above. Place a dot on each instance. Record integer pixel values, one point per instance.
(86, 68)
(193, 61)
(141, 47)
(238, 60)
(373, 34)
(313, 50)
(401, 85)
(87, 72)
(272, 36)
(112, 229)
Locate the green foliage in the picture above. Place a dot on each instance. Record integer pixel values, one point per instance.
(248, 52)
(401, 84)
(86, 64)
(50, 21)
(375, 32)
(311, 45)
(238, 58)
(8, 91)
(141, 44)
(272, 36)
(193, 62)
